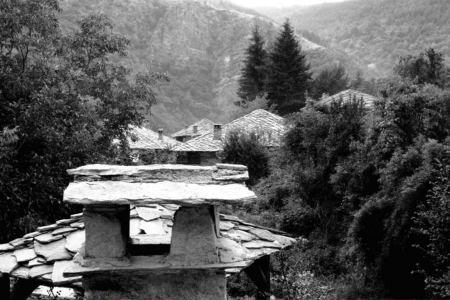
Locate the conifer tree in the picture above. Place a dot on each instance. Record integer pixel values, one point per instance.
(251, 83)
(288, 75)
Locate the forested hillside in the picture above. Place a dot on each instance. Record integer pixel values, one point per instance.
(200, 45)
(376, 31)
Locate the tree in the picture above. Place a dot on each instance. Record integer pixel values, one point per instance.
(330, 81)
(63, 101)
(427, 67)
(287, 76)
(253, 74)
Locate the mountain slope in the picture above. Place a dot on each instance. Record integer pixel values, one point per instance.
(377, 31)
(199, 44)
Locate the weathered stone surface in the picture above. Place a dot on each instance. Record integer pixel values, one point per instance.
(243, 227)
(19, 242)
(135, 224)
(147, 213)
(57, 274)
(36, 262)
(224, 225)
(231, 177)
(239, 235)
(107, 231)
(52, 251)
(231, 251)
(21, 272)
(6, 247)
(193, 236)
(150, 239)
(65, 221)
(77, 216)
(231, 167)
(152, 227)
(110, 192)
(229, 218)
(32, 234)
(48, 238)
(24, 254)
(192, 285)
(40, 270)
(262, 244)
(75, 241)
(48, 227)
(63, 230)
(284, 240)
(263, 234)
(8, 263)
(78, 225)
(172, 207)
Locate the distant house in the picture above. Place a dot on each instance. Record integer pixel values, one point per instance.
(206, 149)
(143, 141)
(350, 94)
(195, 130)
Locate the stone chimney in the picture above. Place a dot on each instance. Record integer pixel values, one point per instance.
(160, 134)
(195, 128)
(217, 132)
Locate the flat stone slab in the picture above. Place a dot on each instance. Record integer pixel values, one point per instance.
(53, 251)
(63, 230)
(262, 244)
(36, 262)
(41, 270)
(150, 239)
(8, 263)
(57, 275)
(149, 263)
(135, 224)
(24, 254)
(152, 227)
(21, 272)
(187, 194)
(6, 247)
(147, 213)
(48, 238)
(75, 241)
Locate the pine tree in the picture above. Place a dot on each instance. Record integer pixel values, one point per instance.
(288, 75)
(251, 83)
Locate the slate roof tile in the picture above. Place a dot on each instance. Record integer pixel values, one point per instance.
(349, 94)
(235, 245)
(141, 138)
(203, 126)
(267, 124)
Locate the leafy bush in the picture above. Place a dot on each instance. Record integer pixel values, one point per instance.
(247, 148)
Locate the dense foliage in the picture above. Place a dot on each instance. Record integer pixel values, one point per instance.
(368, 187)
(63, 101)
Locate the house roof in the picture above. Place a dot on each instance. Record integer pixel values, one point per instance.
(270, 125)
(45, 254)
(144, 138)
(203, 126)
(349, 94)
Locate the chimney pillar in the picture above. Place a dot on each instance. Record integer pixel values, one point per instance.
(217, 131)
(195, 128)
(160, 134)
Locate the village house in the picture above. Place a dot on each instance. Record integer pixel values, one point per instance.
(195, 130)
(147, 145)
(206, 149)
(348, 95)
(146, 232)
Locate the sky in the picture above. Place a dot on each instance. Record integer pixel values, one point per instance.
(279, 3)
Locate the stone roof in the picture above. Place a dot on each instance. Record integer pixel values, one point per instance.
(141, 138)
(203, 126)
(45, 254)
(269, 125)
(349, 94)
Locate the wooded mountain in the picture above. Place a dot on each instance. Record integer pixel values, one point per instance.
(376, 31)
(200, 44)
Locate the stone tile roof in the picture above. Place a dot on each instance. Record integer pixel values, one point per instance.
(45, 254)
(203, 126)
(349, 94)
(270, 125)
(141, 138)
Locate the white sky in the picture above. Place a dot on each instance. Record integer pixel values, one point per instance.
(280, 3)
